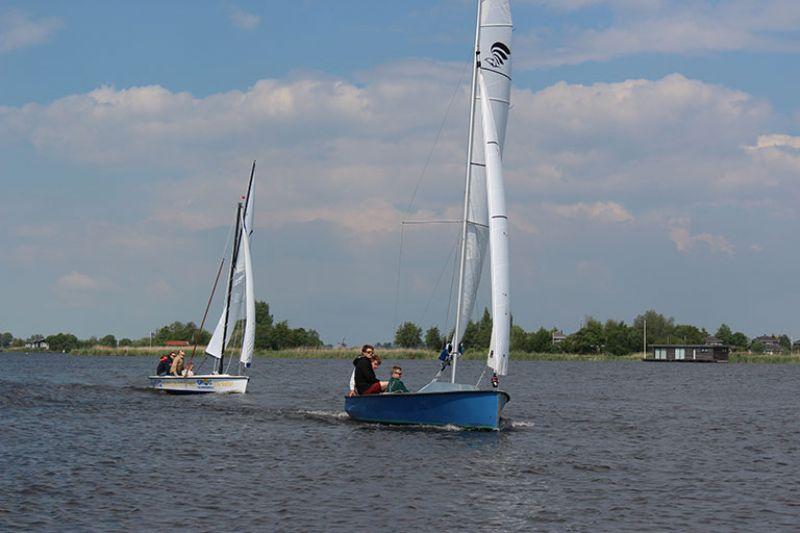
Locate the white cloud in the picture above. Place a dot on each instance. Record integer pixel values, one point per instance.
(598, 211)
(242, 19)
(76, 289)
(685, 241)
(777, 140)
(680, 26)
(76, 281)
(19, 30)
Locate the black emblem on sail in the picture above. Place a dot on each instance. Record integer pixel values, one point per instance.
(500, 54)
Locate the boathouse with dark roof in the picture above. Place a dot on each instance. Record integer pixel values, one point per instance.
(688, 353)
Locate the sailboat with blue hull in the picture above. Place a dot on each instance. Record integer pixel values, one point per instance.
(485, 223)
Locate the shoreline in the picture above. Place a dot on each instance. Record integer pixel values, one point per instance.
(402, 354)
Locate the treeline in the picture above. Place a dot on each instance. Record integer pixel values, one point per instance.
(269, 336)
(594, 337)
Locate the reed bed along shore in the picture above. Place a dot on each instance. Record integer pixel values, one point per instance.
(350, 353)
(403, 353)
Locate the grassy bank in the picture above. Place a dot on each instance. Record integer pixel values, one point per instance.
(401, 353)
(764, 358)
(349, 353)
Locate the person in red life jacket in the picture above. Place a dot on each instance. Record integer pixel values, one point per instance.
(163, 365)
(365, 380)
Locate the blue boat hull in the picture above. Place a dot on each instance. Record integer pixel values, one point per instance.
(472, 409)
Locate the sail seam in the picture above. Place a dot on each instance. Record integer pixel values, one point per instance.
(496, 72)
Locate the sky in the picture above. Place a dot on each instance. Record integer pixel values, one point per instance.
(652, 161)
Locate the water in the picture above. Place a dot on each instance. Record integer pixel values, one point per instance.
(621, 446)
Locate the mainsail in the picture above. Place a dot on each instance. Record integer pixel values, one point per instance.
(248, 342)
(237, 280)
(493, 60)
(498, 231)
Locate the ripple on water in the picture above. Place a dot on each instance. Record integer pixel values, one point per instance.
(584, 447)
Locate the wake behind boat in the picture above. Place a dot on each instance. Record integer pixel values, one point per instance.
(239, 300)
(485, 219)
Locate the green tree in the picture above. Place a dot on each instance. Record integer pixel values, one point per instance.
(757, 347)
(108, 340)
(659, 328)
(408, 335)
(433, 339)
(786, 343)
(264, 322)
(62, 342)
(6, 339)
(178, 331)
(125, 342)
(590, 338)
(478, 335)
(540, 341)
(688, 334)
(724, 334)
(617, 337)
(739, 340)
(519, 339)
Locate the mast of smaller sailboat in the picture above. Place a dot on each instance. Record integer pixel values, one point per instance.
(465, 222)
(234, 258)
(239, 278)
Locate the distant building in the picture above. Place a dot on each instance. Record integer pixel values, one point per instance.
(713, 341)
(689, 353)
(37, 345)
(558, 336)
(771, 343)
(176, 343)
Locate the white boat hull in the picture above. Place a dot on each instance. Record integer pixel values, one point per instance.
(214, 383)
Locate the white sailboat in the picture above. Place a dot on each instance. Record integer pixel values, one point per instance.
(485, 222)
(239, 303)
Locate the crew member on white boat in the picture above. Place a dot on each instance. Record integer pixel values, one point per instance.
(177, 364)
(189, 370)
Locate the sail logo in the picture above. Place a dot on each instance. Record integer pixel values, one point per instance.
(500, 54)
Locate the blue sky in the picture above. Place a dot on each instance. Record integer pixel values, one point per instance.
(653, 160)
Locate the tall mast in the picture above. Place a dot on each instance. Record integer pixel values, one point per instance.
(462, 265)
(234, 257)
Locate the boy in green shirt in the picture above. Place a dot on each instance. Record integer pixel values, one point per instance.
(395, 384)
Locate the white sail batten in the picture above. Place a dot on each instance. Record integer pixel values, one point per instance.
(248, 342)
(494, 45)
(498, 239)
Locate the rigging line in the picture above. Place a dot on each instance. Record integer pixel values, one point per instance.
(399, 266)
(436, 140)
(419, 181)
(450, 299)
(417, 222)
(436, 285)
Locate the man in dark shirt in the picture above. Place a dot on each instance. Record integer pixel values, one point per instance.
(364, 379)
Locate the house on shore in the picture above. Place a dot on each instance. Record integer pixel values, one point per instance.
(37, 344)
(688, 353)
(771, 344)
(178, 344)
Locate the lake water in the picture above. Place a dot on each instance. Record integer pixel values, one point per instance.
(619, 446)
